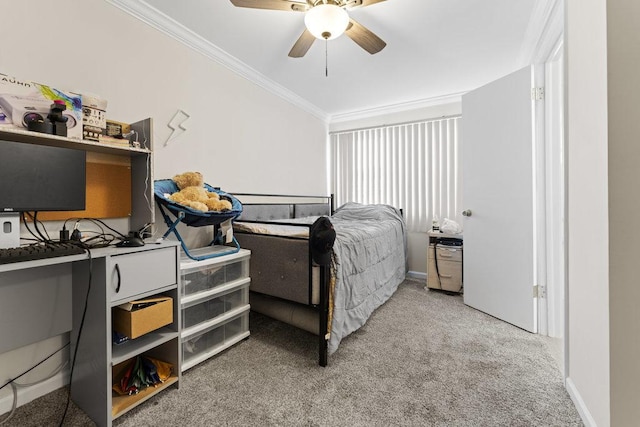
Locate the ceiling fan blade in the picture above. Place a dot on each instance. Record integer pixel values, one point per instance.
(303, 44)
(351, 4)
(272, 4)
(364, 38)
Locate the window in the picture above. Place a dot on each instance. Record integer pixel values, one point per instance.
(413, 166)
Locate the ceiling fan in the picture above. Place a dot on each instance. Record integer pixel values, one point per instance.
(324, 20)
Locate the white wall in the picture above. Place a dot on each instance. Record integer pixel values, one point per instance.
(587, 210)
(623, 40)
(241, 137)
(417, 242)
(235, 126)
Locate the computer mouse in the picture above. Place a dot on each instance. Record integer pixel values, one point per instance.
(130, 242)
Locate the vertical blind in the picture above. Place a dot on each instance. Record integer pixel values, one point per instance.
(413, 166)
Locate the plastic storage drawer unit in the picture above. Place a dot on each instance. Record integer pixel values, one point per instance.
(214, 308)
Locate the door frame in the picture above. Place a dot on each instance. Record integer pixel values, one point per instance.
(554, 315)
(545, 46)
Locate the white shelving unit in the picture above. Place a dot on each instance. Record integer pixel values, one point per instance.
(214, 305)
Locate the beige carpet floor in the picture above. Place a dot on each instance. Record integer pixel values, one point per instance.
(422, 359)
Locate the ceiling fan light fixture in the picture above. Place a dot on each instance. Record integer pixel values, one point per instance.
(326, 21)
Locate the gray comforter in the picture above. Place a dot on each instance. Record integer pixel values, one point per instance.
(370, 261)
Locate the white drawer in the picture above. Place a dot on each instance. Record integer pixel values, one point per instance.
(201, 311)
(204, 276)
(136, 273)
(201, 346)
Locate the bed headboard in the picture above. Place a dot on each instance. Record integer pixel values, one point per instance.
(265, 212)
(268, 207)
(311, 209)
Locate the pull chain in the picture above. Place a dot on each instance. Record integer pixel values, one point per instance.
(326, 58)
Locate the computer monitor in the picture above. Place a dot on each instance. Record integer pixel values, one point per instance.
(38, 178)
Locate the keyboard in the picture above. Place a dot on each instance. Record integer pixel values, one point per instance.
(39, 251)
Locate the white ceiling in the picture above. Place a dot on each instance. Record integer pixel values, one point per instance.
(436, 49)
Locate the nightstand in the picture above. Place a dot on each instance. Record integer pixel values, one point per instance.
(444, 262)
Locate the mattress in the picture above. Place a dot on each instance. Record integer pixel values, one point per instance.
(273, 228)
(370, 261)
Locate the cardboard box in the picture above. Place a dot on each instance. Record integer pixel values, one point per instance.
(139, 317)
(21, 100)
(116, 129)
(94, 116)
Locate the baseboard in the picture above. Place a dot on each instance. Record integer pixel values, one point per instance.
(587, 419)
(417, 275)
(27, 394)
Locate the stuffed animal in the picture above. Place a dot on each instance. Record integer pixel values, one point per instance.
(189, 179)
(194, 195)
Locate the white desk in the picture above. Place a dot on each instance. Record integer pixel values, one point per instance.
(44, 298)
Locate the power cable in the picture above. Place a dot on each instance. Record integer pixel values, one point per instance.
(75, 350)
(11, 381)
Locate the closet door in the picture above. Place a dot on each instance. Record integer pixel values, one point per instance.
(499, 166)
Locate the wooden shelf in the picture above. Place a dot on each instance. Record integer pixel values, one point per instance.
(122, 404)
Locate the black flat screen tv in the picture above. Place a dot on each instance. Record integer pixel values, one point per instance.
(41, 178)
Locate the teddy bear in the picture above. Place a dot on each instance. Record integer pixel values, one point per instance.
(193, 194)
(188, 179)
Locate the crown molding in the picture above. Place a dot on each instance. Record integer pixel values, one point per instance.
(544, 31)
(396, 108)
(153, 17)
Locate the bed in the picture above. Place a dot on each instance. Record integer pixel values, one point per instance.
(369, 261)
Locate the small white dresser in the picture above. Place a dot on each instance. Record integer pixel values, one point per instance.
(214, 305)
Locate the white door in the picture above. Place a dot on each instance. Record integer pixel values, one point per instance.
(499, 177)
